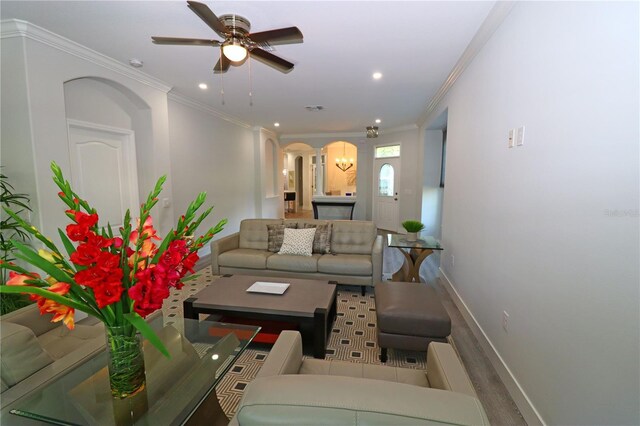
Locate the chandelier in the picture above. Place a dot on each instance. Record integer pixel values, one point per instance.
(372, 131)
(342, 163)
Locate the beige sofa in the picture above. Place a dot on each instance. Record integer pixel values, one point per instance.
(355, 258)
(290, 390)
(33, 350)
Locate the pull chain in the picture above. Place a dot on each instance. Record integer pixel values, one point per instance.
(221, 78)
(250, 84)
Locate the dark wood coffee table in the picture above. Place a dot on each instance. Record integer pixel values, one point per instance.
(309, 303)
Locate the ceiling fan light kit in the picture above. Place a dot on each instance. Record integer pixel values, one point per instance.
(238, 42)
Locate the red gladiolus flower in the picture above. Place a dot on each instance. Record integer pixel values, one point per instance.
(85, 254)
(90, 277)
(150, 290)
(77, 232)
(108, 293)
(189, 262)
(108, 261)
(99, 241)
(87, 220)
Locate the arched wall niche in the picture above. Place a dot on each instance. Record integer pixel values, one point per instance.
(106, 102)
(298, 158)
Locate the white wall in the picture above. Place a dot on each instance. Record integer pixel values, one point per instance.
(16, 147)
(432, 193)
(46, 69)
(212, 155)
(549, 231)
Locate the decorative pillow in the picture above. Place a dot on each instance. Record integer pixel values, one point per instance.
(22, 354)
(276, 235)
(298, 241)
(322, 239)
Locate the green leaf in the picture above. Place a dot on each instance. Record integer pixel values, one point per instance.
(29, 255)
(16, 289)
(145, 329)
(68, 245)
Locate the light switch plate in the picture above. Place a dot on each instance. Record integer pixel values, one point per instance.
(512, 138)
(520, 136)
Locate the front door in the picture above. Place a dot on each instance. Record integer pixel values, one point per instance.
(103, 170)
(386, 193)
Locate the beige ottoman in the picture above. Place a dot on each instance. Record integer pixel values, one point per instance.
(409, 316)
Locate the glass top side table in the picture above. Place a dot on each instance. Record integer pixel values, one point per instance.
(414, 252)
(180, 390)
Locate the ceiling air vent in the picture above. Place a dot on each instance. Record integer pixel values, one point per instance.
(314, 108)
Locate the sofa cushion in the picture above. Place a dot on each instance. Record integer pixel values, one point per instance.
(345, 264)
(296, 399)
(244, 258)
(254, 234)
(293, 263)
(298, 242)
(352, 236)
(275, 235)
(322, 239)
(22, 354)
(365, 371)
(61, 341)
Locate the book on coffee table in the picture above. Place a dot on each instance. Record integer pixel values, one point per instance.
(267, 287)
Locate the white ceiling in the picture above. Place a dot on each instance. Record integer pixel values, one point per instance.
(414, 44)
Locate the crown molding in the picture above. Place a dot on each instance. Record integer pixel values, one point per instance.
(16, 28)
(206, 108)
(323, 135)
(492, 22)
(346, 134)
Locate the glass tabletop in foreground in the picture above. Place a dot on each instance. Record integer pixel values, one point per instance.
(423, 242)
(201, 354)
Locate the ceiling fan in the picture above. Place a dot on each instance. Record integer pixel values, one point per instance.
(238, 42)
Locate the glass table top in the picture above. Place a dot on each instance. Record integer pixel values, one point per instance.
(201, 354)
(423, 242)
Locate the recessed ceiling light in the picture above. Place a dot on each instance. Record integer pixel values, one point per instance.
(378, 121)
(203, 86)
(276, 124)
(135, 62)
(377, 75)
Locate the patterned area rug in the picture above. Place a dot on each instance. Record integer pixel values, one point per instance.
(353, 339)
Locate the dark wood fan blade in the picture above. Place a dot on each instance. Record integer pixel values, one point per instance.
(210, 18)
(185, 41)
(222, 65)
(271, 60)
(280, 36)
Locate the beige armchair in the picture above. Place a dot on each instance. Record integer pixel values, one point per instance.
(292, 390)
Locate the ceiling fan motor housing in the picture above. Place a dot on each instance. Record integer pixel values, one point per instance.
(237, 25)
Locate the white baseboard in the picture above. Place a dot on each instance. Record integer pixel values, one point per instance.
(528, 411)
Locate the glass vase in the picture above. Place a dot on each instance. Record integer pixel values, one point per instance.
(126, 361)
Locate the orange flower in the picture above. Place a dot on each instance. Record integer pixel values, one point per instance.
(60, 312)
(19, 279)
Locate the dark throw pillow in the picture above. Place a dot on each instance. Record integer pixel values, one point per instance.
(322, 240)
(276, 235)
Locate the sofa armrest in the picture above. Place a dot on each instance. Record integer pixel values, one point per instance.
(376, 260)
(218, 247)
(333, 400)
(285, 357)
(445, 371)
